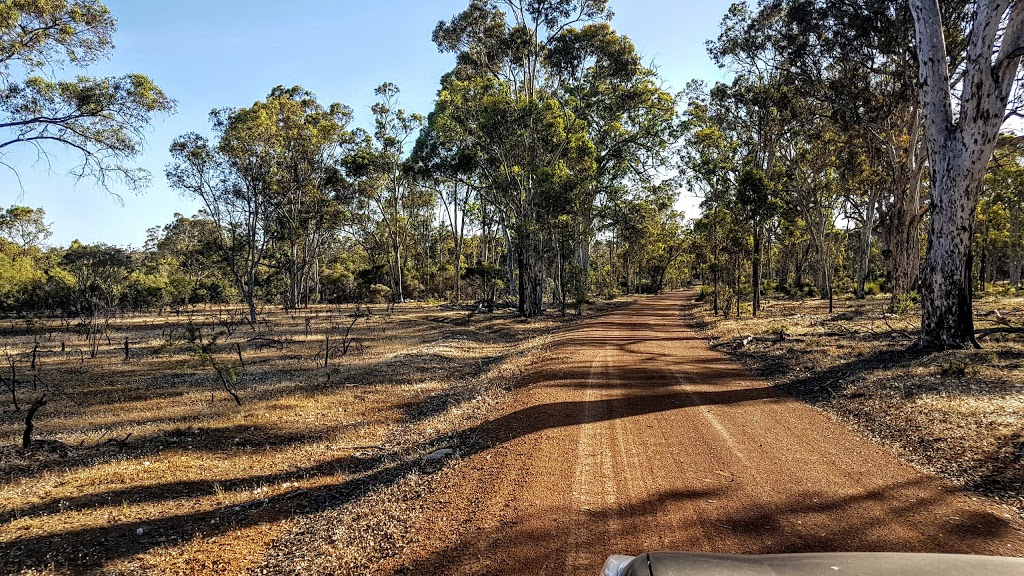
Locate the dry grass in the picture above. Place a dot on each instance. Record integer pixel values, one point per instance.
(959, 414)
(156, 470)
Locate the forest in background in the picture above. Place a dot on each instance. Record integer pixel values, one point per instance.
(286, 381)
(548, 171)
(537, 180)
(814, 160)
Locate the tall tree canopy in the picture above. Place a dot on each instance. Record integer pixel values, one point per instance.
(558, 110)
(101, 120)
(270, 183)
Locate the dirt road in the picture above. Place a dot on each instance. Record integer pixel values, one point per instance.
(634, 436)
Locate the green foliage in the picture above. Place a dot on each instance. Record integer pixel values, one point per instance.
(958, 369)
(548, 109)
(389, 202)
(26, 227)
(906, 303)
(378, 294)
(19, 278)
(487, 279)
(270, 187)
(704, 293)
(103, 120)
(1002, 291)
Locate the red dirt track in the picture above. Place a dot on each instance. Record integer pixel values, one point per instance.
(632, 435)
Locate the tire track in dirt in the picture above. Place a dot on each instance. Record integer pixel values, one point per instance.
(631, 435)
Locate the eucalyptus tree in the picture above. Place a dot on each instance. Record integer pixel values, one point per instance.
(23, 262)
(709, 232)
(189, 249)
(536, 160)
(812, 188)
(451, 172)
(757, 203)
(965, 93)
(25, 227)
(386, 181)
(631, 120)
(770, 112)
(95, 276)
(859, 196)
(267, 180)
(733, 136)
(503, 100)
(235, 195)
(309, 140)
(101, 121)
(709, 164)
(652, 234)
(855, 60)
(1004, 189)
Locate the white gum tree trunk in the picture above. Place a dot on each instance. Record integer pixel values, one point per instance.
(960, 147)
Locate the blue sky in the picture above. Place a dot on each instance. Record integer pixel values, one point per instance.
(217, 53)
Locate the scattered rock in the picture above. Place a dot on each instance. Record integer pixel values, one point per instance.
(438, 455)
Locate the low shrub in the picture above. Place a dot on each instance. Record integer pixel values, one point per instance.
(705, 293)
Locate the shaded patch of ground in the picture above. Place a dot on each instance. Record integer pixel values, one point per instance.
(148, 466)
(958, 413)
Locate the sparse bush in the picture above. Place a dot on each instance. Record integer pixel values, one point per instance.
(338, 286)
(872, 289)
(378, 294)
(413, 288)
(705, 293)
(906, 304)
(1001, 291)
(726, 300)
(788, 290)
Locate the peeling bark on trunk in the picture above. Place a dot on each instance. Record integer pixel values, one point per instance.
(904, 241)
(960, 149)
(901, 231)
(947, 315)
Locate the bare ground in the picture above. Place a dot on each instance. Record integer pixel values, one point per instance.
(620, 435)
(148, 466)
(959, 414)
(633, 435)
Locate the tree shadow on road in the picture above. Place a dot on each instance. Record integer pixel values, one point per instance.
(638, 390)
(899, 517)
(84, 549)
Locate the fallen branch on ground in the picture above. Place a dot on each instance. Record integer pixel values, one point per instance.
(982, 334)
(743, 343)
(260, 342)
